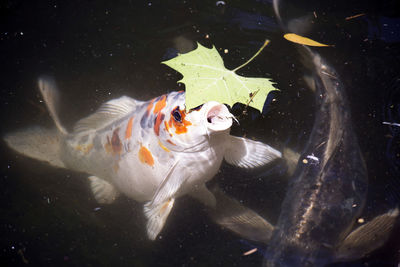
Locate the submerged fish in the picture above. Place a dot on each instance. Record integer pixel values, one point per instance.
(328, 190)
(152, 151)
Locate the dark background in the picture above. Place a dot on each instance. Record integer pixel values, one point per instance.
(99, 50)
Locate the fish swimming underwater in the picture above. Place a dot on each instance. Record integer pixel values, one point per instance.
(328, 190)
(326, 193)
(152, 152)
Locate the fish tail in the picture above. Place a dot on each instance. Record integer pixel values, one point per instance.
(38, 143)
(49, 91)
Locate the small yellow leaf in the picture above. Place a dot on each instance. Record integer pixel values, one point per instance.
(302, 40)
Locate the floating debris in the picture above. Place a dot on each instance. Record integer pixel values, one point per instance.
(313, 158)
(220, 3)
(292, 37)
(355, 16)
(251, 251)
(391, 123)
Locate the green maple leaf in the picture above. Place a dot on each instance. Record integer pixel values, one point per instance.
(206, 79)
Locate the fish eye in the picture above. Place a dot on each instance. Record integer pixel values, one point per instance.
(177, 115)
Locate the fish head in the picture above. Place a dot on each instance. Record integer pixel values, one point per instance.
(191, 130)
(214, 118)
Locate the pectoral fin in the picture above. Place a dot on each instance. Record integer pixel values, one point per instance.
(157, 215)
(246, 153)
(367, 237)
(157, 210)
(229, 213)
(103, 191)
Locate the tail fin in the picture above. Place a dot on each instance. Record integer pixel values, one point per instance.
(38, 143)
(49, 91)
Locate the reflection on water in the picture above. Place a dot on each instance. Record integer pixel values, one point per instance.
(101, 51)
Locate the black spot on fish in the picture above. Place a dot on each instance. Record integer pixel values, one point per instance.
(150, 121)
(116, 142)
(143, 120)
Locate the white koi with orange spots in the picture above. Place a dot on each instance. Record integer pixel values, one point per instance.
(152, 151)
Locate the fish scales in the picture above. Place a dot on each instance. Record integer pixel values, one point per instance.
(152, 152)
(328, 190)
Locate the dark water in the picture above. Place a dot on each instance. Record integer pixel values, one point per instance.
(99, 50)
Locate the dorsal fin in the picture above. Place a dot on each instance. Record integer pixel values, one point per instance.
(49, 91)
(108, 112)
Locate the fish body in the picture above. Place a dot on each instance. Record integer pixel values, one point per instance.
(151, 151)
(137, 151)
(329, 187)
(328, 190)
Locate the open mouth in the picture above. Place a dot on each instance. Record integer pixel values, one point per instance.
(219, 118)
(217, 115)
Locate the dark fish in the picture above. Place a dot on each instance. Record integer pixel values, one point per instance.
(326, 193)
(328, 190)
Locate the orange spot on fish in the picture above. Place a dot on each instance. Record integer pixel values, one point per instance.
(180, 127)
(170, 122)
(128, 131)
(149, 107)
(157, 123)
(145, 156)
(160, 104)
(167, 127)
(164, 207)
(163, 147)
(85, 149)
(172, 143)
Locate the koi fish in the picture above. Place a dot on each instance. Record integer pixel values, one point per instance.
(327, 193)
(152, 152)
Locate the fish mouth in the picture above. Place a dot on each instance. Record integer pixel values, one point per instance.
(218, 117)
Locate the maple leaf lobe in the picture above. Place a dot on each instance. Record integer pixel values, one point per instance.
(206, 79)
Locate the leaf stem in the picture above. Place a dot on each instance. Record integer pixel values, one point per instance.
(256, 54)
